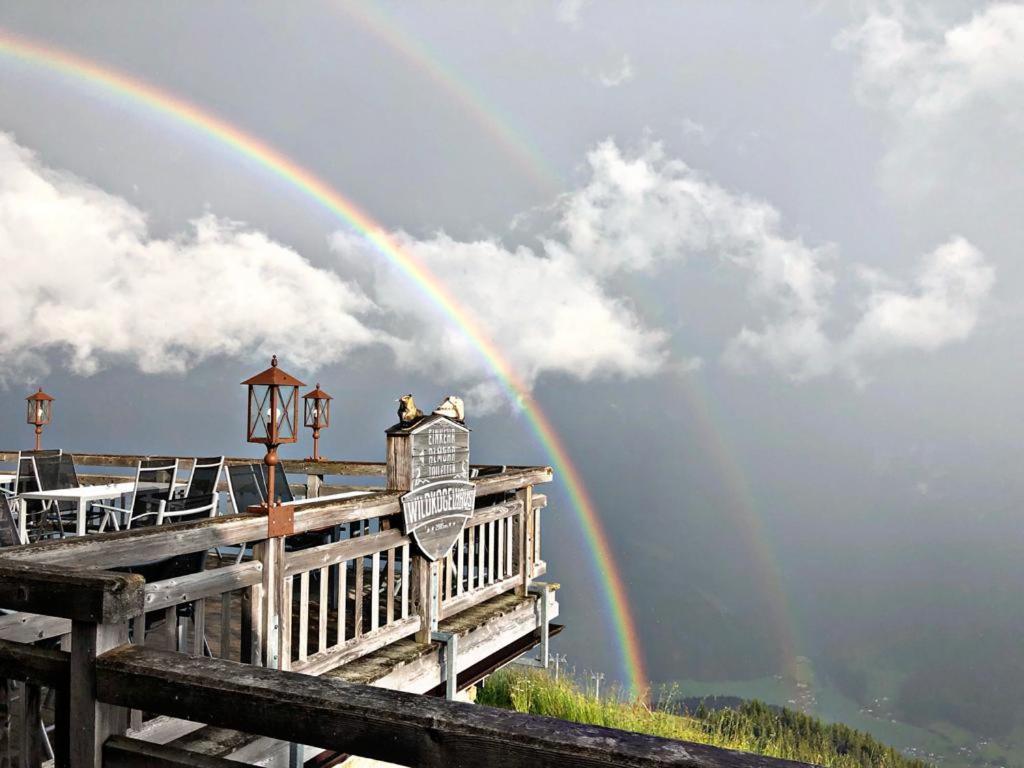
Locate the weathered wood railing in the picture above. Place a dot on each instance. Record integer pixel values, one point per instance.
(362, 590)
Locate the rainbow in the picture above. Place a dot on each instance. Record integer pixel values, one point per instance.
(139, 93)
(491, 121)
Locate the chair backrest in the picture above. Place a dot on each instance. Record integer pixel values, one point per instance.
(154, 482)
(48, 472)
(244, 487)
(67, 475)
(204, 478)
(9, 535)
(27, 480)
(282, 490)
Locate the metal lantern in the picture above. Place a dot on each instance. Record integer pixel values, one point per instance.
(317, 413)
(273, 415)
(39, 412)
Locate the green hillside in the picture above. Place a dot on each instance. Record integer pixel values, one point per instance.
(753, 726)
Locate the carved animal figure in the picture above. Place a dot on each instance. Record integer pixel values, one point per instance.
(452, 407)
(407, 410)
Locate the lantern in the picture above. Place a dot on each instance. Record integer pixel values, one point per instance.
(317, 413)
(273, 415)
(39, 412)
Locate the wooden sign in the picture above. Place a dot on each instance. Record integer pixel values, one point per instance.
(435, 514)
(430, 459)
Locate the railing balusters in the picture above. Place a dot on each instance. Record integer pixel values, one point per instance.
(285, 654)
(390, 615)
(303, 615)
(357, 616)
(374, 591)
(321, 644)
(406, 574)
(342, 599)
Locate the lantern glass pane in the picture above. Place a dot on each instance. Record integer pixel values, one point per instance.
(309, 411)
(46, 410)
(33, 411)
(325, 413)
(288, 405)
(259, 414)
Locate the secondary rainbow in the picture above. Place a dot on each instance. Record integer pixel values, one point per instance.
(422, 60)
(168, 105)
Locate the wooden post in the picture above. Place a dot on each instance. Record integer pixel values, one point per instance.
(425, 574)
(525, 496)
(31, 750)
(313, 483)
(271, 621)
(5, 722)
(92, 722)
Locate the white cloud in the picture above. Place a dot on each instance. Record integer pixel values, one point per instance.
(88, 285)
(568, 11)
(622, 73)
(915, 68)
(637, 212)
(85, 280)
(952, 98)
(942, 306)
(541, 310)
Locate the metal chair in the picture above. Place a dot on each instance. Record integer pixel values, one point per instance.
(10, 536)
(154, 484)
(38, 522)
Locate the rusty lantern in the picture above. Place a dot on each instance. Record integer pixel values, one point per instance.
(317, 413)
(39, 412)
(273, 416)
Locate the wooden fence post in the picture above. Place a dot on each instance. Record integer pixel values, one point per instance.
(526, 528)
(92, 722)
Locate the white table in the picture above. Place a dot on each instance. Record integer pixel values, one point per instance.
(7, 478)
(82, 496)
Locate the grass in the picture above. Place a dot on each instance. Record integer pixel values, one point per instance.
(753, 727)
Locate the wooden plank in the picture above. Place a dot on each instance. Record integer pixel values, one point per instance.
(98, 597)
(382, 724)
(303, 615)
(460, 560)
(357, 647)
(92, 720)
(42, 666)
(490, 551)
(198, 627)
(389, 614)
(406, 580)
(495, 512)
(6, 729)
(374, 591)
(479, 595)
(31, 751)
(195, 586)
(285, 619)
(471, 557)
(125, 752)
(30, 627)
(347, 549)
(357, 614)
(321, 625)
(120, 548)
(225, 625)
(342, 601)
(526, 545)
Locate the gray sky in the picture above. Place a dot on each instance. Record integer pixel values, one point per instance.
(758, 261)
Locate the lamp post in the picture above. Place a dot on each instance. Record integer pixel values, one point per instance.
(317, 413)
(273, 415)
(40, 412)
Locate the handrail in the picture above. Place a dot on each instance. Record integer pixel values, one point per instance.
(382, 724)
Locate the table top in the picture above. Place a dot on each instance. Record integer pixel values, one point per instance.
(87, 492)
(8, 477)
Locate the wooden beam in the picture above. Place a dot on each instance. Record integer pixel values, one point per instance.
(195, 586)
(382, 724)
(29, 627)
(37, 665)
(125, 752)
(340, 551)
(99, 597)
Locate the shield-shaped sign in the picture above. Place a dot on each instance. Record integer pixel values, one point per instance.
(435, 514)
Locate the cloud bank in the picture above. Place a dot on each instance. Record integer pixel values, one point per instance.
(90, 286)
